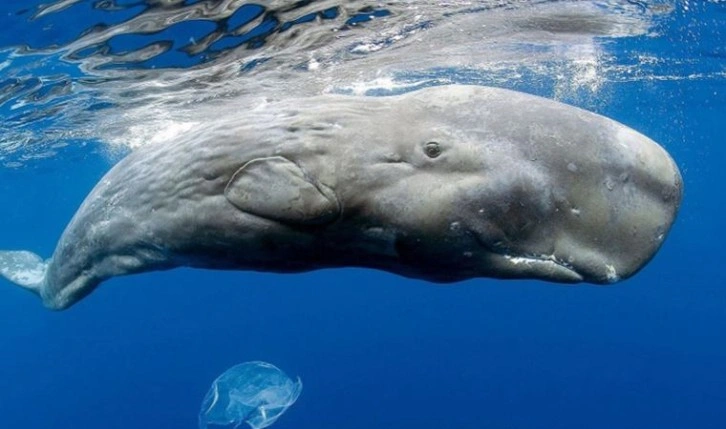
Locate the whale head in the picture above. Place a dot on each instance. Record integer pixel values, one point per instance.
(495, 183)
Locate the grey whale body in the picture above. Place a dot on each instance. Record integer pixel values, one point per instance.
(444, 184)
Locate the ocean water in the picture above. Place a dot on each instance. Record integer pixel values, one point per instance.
(84, 82)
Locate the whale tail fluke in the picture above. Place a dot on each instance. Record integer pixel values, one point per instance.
(23, 268)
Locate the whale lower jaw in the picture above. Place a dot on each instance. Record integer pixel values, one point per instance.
(545, 267)
(548, 267)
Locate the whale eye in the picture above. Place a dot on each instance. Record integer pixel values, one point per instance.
(432, 149)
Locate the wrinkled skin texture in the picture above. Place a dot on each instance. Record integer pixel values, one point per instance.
(443, 184)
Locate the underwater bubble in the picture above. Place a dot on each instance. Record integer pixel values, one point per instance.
(256, 393)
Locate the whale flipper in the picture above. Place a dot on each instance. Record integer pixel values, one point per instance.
(23, 268)
(277, 188)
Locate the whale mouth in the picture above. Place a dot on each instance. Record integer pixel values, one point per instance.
(545, 267)
(529, 265)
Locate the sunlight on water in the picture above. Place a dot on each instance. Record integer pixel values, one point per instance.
(134, 73)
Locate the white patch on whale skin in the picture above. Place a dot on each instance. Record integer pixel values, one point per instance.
(538, 259)
(516, 260)
(611, 274)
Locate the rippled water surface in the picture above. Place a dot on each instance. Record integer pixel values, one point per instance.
(132, 72)
(83, 82)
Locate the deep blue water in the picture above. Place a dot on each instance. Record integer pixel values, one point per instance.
(376, 350)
